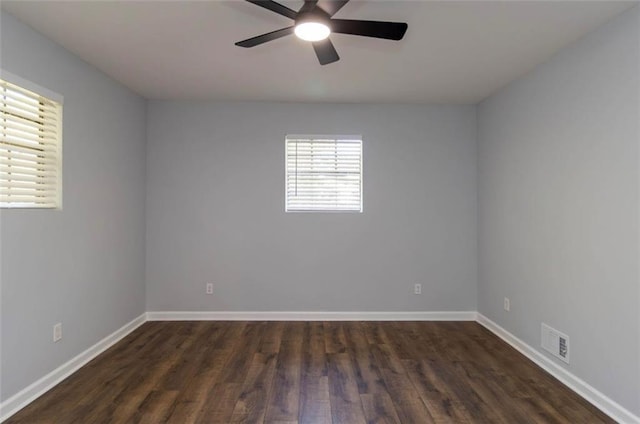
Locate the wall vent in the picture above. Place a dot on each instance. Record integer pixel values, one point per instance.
(555, 342)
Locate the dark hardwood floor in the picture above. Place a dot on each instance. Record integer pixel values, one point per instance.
(310, 372)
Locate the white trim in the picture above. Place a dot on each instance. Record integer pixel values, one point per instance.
(309, 316)
(582, 388)
(39, 387)
(31, 86)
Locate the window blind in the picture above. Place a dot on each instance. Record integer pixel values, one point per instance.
(324, 173)
(30, 142)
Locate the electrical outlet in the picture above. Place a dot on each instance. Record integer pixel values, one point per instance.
(57, 332)
(507, 304)
(417, 289)
(209, 288)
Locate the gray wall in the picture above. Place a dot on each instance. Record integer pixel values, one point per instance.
(559, 206)
(83, 265)
(215, 210)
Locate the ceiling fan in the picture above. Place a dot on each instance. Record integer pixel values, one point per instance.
(314, 22)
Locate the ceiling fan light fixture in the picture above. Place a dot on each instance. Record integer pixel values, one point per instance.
(315, 23)
(312, 31)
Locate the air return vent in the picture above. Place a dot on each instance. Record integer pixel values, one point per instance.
(555, 343)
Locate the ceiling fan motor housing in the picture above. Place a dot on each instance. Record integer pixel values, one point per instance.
(317, 15)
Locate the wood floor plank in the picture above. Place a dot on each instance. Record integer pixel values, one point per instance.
(251, 406)
(346, 405)
(205, 367)
(442, 403)
(272, 338)
(334, 338)
(461, 361)
(284, 400)
(310, 372)
(252, 403)
(407, 401)
(222, 399)
(376, 401)
(435, 346)
(315, 404)
(155, 408)
(315, 401)
(366, 369)
(374, 332)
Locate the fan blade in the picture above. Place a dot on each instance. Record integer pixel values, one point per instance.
(386, 30)
(332, 6)
(325, 51)
(270, 36)
(308, 6)
(275, 7)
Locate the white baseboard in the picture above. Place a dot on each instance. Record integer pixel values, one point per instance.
(38, 388)
(310, 316)
(597, 398)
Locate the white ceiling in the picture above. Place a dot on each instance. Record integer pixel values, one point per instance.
(453, 52)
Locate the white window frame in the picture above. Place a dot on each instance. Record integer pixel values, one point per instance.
(288, 137)
(59, 100)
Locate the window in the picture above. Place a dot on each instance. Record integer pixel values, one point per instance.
(324, 173)
(30, 148)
